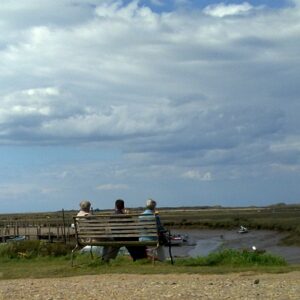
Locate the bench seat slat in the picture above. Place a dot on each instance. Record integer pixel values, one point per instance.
(118, 243)
(113, 234)
(118, 230)
(116, 235)
(119, 223)
(117, 227)
(117, 218)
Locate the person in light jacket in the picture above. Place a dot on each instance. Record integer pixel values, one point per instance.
(149, 212)
(85, 208)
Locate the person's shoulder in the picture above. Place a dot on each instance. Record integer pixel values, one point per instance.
(147, 212)
(83, 214)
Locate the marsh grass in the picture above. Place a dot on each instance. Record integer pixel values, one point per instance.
(33, 248)
(293, 239)
(229, 257)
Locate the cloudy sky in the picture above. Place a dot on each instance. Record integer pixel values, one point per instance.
(187, 102)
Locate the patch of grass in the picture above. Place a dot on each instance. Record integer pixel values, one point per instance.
(230, 257)
(218, 263)
(33, 248)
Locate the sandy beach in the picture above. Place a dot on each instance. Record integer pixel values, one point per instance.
(171, 286)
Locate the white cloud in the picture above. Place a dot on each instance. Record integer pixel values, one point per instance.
(223, 10)
(107, 78)
(108, 187)
(157, 2)
(290, 143)
(197, 175)
(21, 105)
(107, 72)
(18, 190)
(285, 168)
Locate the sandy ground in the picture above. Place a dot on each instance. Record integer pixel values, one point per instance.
(171, 286)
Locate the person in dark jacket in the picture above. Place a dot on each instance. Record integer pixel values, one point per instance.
(111, 252)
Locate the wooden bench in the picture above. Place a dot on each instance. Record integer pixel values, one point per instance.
(115, 230)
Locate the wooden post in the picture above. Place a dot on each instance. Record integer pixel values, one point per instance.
(64, 226)
(68, 233)
(25, 229)
(49, 232)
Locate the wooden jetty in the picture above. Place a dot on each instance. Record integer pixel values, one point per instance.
(37, 229)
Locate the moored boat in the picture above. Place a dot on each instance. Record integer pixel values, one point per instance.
(243, 230)
(17, 238)
(176, 240)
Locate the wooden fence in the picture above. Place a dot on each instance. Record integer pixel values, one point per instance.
(46, 229)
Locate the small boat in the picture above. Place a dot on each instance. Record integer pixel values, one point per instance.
(16, 238)
(176, 239)
(243, 230)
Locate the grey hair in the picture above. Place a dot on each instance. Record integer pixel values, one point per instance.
(150, 203)
(85, 205)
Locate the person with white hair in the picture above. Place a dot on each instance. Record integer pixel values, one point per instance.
(85, 211)
(85, 208)
(149, 212)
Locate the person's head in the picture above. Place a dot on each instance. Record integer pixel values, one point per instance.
(119, 204)
(85, 205)
(151, 204)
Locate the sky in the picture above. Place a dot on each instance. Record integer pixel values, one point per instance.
(191, 103)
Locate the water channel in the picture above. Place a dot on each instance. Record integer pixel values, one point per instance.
(203, 242)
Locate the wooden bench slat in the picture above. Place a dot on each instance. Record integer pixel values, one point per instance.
(118, 227)
(115, 217)
(117, 234)
(112, 222)
(154, 233)
(119, 243)
(112, 230)
(116, 223)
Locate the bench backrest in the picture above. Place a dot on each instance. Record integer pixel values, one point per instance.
(115, 229)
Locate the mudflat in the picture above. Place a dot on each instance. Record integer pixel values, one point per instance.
(169, 286)
(207, 241)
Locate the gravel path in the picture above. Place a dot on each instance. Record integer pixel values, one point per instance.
(171, 286)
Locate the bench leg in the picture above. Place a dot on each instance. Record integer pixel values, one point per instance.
(153, 253)
(72, 254)
(91, 252)
(170, 247)
(170, 253)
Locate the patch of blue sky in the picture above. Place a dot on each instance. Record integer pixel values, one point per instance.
(267, 3)
(160, 6)
(36, 156)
